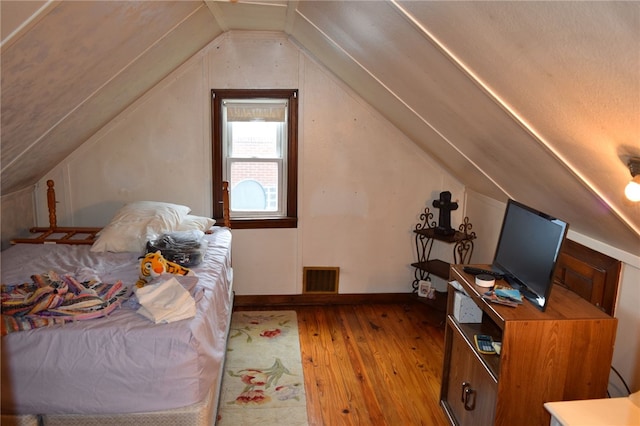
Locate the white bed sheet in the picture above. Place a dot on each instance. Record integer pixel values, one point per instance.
(123, 363)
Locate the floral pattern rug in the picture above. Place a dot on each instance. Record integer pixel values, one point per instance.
(263, 382)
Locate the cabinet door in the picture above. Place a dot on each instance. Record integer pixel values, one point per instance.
(471, 391)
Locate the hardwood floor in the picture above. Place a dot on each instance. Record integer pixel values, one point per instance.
(371, 364)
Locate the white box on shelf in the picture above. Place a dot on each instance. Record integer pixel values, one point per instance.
(464, 310)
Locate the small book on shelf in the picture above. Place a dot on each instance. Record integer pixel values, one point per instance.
(504, 296)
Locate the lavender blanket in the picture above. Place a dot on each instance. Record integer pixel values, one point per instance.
(120, 363)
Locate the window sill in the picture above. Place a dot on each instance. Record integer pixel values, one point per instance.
(284, 222)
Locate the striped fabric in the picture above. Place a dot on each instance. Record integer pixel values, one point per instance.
(55, 299)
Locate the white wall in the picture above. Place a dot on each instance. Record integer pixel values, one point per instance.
(18, 215)
(362, 183)
(488, 214)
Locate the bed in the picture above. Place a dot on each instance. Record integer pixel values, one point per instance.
(120, 368)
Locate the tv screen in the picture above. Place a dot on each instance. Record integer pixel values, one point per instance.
(528, 250)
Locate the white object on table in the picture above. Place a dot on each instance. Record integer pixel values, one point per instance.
(607, 411)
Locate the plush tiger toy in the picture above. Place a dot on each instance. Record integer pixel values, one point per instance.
(153, 265)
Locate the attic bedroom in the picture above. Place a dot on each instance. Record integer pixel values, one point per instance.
(398, 101)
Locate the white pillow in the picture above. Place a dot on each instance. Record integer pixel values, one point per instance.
(196, 223)
(137, 222)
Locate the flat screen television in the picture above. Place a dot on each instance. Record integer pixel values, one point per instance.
(528, 250)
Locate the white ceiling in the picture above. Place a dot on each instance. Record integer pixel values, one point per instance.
(537, 101)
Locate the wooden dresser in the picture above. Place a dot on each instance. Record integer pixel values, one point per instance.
(563, 353)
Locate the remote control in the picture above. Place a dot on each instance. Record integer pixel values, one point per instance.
(477, 271)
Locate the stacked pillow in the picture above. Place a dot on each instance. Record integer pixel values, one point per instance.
(136, 223)
(195, 223)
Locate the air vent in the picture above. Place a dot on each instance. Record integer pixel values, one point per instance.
(320, 279)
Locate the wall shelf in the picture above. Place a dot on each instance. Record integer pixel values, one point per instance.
(426, 233)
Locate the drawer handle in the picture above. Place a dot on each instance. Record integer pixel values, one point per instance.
(469, 399)
(465, 386)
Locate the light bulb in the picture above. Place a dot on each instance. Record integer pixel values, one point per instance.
(632, 190)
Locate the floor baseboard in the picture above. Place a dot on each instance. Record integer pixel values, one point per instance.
(435, 308)
(321, 299)
(332, 299)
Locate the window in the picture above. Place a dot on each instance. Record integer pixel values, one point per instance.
(255, 149)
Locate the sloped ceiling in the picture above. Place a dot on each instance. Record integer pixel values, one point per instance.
(537, 101)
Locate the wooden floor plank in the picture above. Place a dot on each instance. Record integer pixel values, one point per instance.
(400, 360)
(423, 345)
(329, 388)
(360, 368)
(352, 407)
(371, 364)
(308, 329)
(389, 376)
(426, 347)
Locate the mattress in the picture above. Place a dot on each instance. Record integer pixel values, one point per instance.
(123, 363)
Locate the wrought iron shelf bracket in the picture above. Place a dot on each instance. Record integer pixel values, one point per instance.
(425, 234)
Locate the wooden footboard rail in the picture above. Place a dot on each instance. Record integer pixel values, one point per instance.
(55, 234)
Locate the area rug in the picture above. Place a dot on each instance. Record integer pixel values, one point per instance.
(263, 382)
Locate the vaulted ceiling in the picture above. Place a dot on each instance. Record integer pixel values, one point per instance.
(537, 101)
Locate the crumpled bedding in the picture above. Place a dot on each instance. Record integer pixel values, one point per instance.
(51, 299)
(120, 363)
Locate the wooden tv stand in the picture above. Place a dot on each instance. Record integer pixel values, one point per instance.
(561, 354)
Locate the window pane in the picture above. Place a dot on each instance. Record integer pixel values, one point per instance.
(254, 186)
(254, 139)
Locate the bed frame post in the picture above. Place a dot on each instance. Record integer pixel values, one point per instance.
(51, 204)
(225, 204)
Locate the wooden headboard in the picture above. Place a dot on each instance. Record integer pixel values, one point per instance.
(592, 275)
(55, 234)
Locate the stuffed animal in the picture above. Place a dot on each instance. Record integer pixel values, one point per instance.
(153, 265)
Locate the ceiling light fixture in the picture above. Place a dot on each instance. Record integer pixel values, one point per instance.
(632, 190)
